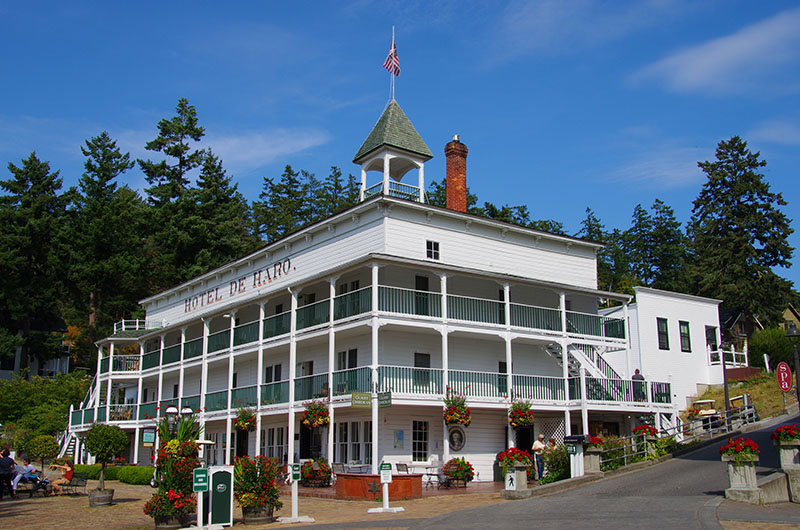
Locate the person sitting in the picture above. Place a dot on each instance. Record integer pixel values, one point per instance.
(25, 473)
(66, 478)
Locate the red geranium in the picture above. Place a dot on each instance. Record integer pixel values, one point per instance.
(645, 430)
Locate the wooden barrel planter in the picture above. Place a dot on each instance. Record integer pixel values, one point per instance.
(169, 523)
(257, 515)
(101, 497)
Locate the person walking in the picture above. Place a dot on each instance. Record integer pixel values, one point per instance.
(7, 467)
(538, 449)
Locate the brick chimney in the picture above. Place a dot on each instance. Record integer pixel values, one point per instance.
(456, 182)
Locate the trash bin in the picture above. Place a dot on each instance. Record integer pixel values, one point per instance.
(497, 470)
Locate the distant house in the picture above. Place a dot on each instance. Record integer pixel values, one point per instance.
(58, 365)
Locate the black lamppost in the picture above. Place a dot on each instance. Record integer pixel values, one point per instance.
(172, 416)
(793, 332)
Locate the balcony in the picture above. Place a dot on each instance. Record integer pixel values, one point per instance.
(409, 301)
(193, 348)
(125, 363)
(244, 397)
(220, 340)
(277, 325)
(408, 380)
(351, 304)
(396, 189)
(275, 393)
(245, 333)
(313, 314)
(353, 380)
(172, 354)
(311, 387)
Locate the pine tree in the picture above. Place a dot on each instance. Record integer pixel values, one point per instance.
(670, 252)
(739, 235)
(283, 207)
(335, 195)
(31, 292)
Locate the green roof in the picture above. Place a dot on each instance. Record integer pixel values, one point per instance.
(394, 129)
(130, 333)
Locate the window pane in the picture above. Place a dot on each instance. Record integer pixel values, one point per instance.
(663, 336)
(686, 342)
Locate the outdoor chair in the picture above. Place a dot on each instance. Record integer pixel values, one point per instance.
(402, 468)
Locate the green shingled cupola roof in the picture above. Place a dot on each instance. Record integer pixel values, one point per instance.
(394, 129)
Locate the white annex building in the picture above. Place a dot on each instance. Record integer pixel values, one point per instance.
(392, 296)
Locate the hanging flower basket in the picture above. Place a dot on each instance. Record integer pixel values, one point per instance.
(520, 414)
(246, 420)
(316, 414)
(456, 411)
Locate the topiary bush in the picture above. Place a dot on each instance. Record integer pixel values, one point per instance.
(42, 448)
(105, 442)
(139, 475)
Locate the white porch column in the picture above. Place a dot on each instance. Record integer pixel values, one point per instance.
(584, 404)
(109, 386)
(509, 356)
(204, 376)
(136, 445)
(627, 341)
(422, 183)
(562, 303)
(260, 377)
(363, 184)
(138, 413)
(386, 165)
(96, 400)
(228, 419)
(374, 346)
(292, 371)
(445, 381)
(331, 365)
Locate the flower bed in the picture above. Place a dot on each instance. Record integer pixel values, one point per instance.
(456, 411)
(316, 414)
(458, 469)
(255, 485)
(520, 414)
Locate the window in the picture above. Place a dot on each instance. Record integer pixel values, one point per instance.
(352, 442)
(272, 374)
(355, 445)
(175, 390)
(711, 338)
(278, 309)
(432, 249)
(274, 443)
(235, 380)
(419, 444)
(340, 442)
(367, 442)
(144, 397)
(686, 342)
(347, 359)
(663, 337)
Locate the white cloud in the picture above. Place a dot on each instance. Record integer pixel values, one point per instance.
(258, 148)
(669, 167)
(554, 27)
(761, 56)
(776, 131)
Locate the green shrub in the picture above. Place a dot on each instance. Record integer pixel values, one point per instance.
(135, 474)
(112, 472)
(556, 462)
(93, 470)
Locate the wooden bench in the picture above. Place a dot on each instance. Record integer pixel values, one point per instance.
(78, 481)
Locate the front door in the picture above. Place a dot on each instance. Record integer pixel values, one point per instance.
(525, 438)
(241, 442)
(421, 296)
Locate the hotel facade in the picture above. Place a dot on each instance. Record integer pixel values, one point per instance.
(393, 297)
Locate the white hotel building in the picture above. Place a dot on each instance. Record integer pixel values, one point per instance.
(391, 295)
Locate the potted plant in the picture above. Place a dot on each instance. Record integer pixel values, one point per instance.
(456, 411)
(174, 502)
(592, 454)
(316, 414)
(255, 488)
(518, 462)
(459, 470)
(787, 438)
(520, 414)
(104, 442)
(741, 455)
(316, 473)
(245, 420)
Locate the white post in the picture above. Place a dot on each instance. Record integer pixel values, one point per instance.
(292, 373)
(386, 166)
(422, 183)
(331, 365)
(445, 363)
(231, 368)
(562, 302)
(584, 404)
(363, 184)
(260, 378)
(627, 329)
(374, 367)
(204, 377)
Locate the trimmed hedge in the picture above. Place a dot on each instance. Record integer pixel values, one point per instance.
(126, 474)
(135, 474)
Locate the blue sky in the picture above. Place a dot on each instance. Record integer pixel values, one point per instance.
(563, 104)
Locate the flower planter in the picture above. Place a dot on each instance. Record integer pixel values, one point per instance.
(591, 459)
(789, 454)
(257, 515)
(101, 497)
(517, 478)
(742, 479)
(169, 523)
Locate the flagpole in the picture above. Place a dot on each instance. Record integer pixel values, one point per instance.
(391, 75)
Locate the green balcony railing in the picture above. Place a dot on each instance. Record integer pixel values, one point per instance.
(475, 309)
(172, 402)
(527, 316)
(536, 387)
(101, 414)
(193, 348)
(660, 392)
(352, 380)
(220, 340)
(245, 333)
(351, 304)
(172, 354)
(409, 302)
(126, 363)
(614, 390)
(311, 387)
(88, 416)
(193, 402)
(313, 314)
(614, 327)
(409, 380)
(277, 325)
(575, 388)
(273, 393)
(122, 412)
(595, 325)
(147, 410)
(150, 360)
(104, 365)
(217, 401)
(76, 418)
(478, 384)
(244, 397)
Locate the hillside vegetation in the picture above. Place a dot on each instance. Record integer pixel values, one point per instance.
(763, 390)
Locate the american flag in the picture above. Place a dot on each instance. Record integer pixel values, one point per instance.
(392, 63)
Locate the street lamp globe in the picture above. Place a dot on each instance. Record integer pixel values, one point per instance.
(187, 411)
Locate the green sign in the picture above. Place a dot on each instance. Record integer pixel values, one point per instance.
(148, 436)
(200, 479)
(386, 466)
(384, 400)
(295, 472)
(572, 449)
(361, 400)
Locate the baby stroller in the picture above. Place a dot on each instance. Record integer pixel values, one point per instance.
(37, 484)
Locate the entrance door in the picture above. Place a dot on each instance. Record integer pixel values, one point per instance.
(524, 438)
(241, 442)
(421, 296)
(310, 442)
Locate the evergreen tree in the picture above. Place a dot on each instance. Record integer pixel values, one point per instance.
(335, 194)
(612, 262)
(670, 252)
(283, 207)
(168, 180)
(739, 234)
(31, 209)
(105, 231)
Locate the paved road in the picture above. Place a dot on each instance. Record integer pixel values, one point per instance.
(684, 493)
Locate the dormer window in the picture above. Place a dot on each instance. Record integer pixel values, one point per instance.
(432, 249)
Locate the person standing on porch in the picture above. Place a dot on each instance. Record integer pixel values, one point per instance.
(538, 448)
(638, 385)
